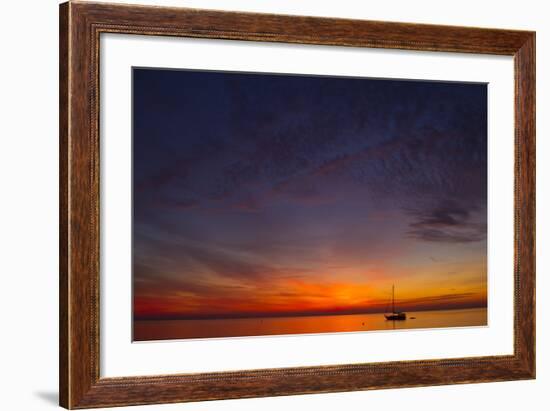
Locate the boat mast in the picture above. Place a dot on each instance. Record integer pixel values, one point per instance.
(393, 298)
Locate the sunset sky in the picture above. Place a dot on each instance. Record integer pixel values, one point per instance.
(266, 195)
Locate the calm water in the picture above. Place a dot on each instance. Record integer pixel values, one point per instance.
(179, 329)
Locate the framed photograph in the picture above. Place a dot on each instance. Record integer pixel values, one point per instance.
(258, 205)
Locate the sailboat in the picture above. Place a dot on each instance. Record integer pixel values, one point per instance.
(394, 315)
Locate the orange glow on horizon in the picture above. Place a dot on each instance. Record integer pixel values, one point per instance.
(295, 295)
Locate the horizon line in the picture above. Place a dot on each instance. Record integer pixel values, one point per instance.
(291, 314)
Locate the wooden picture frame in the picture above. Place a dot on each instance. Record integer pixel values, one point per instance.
(80, 27)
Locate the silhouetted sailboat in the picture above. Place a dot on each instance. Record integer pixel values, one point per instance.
(394, 315)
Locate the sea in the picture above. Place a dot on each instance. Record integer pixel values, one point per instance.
(150, 330)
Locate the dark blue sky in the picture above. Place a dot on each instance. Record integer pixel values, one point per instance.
(258, 193)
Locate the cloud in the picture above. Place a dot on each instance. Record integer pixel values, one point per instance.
(448, 223)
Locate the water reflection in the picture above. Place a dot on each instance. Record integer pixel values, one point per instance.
(181, 329)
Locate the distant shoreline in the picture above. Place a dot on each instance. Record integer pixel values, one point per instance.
(294, 315)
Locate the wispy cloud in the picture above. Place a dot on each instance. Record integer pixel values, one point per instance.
(448, 223)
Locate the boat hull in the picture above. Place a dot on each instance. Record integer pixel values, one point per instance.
(396, 316)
